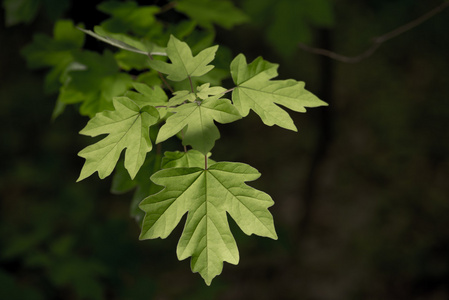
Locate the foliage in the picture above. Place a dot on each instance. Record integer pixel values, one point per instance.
(142, 107)
(207, 194)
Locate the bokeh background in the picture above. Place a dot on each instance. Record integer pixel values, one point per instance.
(361, 191)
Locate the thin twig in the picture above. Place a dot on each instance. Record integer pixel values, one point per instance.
(191, 84)
(227, 91)
(376, 41)
(167, 7)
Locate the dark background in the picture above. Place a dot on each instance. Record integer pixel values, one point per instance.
(361, 191)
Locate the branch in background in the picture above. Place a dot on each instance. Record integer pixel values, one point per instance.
(377, 41)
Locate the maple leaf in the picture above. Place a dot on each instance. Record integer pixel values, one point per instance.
(199, 118)
(183, 64)
(255, 90)
(180, 97)
(204, 91)
(128, 127)
(207, 194)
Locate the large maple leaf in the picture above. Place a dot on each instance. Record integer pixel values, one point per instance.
(128, 127)
(207, 195)
(255, 90)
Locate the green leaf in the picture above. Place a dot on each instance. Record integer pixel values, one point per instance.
(150, 78)
(128, 127)
(183, 64)
(189, 159)
(256, 91)
(204, 91)
(207, 195)
(95, 80)
(147, 95)
(128, 61)
(199, 118)
(180, 97)
(20, 11)
(67, 34)
(100, 98)
(48, 52)
(209, 12)
(128, 16)
(57, 53)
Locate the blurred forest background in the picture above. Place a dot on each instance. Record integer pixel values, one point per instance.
(361, 192)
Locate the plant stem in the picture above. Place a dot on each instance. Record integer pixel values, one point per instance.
(167, 7)
(191, 84)
(230, 90)
(205, 162)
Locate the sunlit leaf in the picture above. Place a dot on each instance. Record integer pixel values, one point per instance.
(207, 195)
(183, 64)
(198, 117)
(256, 91)
(127, 127)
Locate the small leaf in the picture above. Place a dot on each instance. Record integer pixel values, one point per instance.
(180, 97)
(255, 90)
(207, 195)
(128, 127)
(204, 91)
(199, 118)
(183, 64)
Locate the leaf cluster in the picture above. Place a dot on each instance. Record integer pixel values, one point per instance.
(156, 88)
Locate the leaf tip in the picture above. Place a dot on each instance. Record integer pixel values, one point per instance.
(81, 177)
